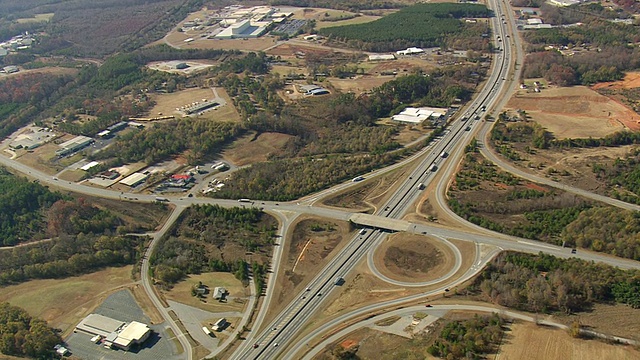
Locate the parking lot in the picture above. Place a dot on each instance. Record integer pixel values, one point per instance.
(122, 306)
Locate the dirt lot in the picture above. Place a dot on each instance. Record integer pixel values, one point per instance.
(251, 149)
(359, 84)
(631, 80)
(64, 302)
(408, 257)
(313, 242)
(181, 292)
(526, 341)
(575, 112)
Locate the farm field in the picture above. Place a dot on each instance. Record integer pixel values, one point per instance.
(526, 341)
(575, 112)
(64, 302)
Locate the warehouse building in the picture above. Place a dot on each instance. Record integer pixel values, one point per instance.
(73, 145)
(243, 29)
(115, 333)
(381, 57)
(413, 115)
(134, 179)
(410, 51)
(96, 324)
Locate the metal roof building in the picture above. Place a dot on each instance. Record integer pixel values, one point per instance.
(134, 179)
(96, 324)
(74, 144)
(132, 334)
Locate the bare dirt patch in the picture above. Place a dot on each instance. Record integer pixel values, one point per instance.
(527, 341)
(631, 81)
(64, 302)
(359, 84)
(251, 149)
(238, 294)
(575, 112)
(413, 258)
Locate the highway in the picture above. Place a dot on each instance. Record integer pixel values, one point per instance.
(435, 163)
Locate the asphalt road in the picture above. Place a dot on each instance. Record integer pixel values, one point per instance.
(428, 165)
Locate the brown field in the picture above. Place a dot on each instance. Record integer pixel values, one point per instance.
(166, 104)
(413, 258)
(308, 251)
(631, 80)
(319, 15)
(400, 66)
(575, 112)
(53, 70)
(618, 320)
(181, 292)
(290, 49)
(64, 302)
(251, 149)
(40, 158)
(359, 84)
(527, 341)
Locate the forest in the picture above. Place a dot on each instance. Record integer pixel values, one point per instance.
(468, 339)
(540, 213)
(68, 255)
(213, 238)
(545, 284)
(25, 336)
(22, 209)
(400, 29)
(85, 28)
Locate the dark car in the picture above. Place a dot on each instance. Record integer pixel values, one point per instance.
(428, 305)
(573, 251)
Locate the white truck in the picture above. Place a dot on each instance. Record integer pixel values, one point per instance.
(444, 154)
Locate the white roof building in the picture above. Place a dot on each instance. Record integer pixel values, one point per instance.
(243, 29)
(134, 333)
(378, 57)
(410, 51)
(96, 324)
(90, 165)
(534, 21)
(134, 179)
(413, 115)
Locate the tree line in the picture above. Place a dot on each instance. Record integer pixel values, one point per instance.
(25, 336)
(544, 283)
(212, 238)
(468, 339)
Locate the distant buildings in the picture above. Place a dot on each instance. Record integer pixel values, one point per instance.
(381, 57)
(10, 69)
(313, 90)
(410, 51)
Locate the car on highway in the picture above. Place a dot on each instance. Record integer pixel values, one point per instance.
(255, 346)
(573, 251)
(275, 344)
(428, 305)
(308, 289)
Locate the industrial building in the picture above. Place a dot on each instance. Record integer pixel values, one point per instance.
(32, 140)
(410, 51)
(134, 179)
(243, 29)
(381, 57)
(313, 90)
(199, 107)
(413, 115)
(74, 145)
(114, 333)
(89, 165)
(10, 69)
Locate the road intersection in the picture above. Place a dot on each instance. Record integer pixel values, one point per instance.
(428, 167)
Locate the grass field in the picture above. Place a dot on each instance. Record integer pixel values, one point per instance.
(64, 302)
(36, 18)
(181, 292)
(575, 112)
(526, 341)
(250, 150)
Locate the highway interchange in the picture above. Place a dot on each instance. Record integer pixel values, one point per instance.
(431, 169)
